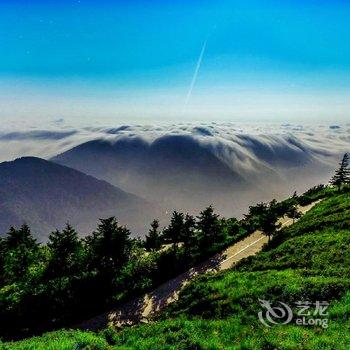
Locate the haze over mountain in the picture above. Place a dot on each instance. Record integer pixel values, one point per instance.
(46, 196)
(174, 171)
(188, 166)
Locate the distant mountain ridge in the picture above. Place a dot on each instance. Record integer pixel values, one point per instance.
(188, 173)
(46, 195)
(174, 171)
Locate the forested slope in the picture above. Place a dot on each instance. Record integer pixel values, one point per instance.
(308, 261)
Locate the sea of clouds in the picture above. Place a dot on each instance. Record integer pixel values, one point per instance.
(274, 159)
(233, 142)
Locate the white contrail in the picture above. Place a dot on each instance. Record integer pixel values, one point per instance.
(194, 78)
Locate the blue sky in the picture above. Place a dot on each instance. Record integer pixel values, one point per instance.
(116, 61)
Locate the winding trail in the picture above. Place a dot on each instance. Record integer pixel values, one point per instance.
(143, 308)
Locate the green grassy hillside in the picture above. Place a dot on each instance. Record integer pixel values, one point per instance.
(308, 261)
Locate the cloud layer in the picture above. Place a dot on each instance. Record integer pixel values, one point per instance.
(188, 166)
(272, 144)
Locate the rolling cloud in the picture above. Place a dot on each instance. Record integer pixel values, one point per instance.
(263, 143)
(191, 165)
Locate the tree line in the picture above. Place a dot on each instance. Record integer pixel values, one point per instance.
(70, 277)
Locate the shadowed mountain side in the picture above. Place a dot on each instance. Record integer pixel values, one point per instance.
(46, 195)
(175, 171)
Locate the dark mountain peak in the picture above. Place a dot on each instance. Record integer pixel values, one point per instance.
(24, 160)
(46, 195)
(34, 162)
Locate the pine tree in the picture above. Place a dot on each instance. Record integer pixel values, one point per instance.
(209, 226)
(20, 250)
(110, 246)
(251, 222)
(153, 239)
(23, 236)
(189, 237)
(64, 249)
(173, 233)
(268, 223)
(342, 174)
(293, 212)
(258, 209)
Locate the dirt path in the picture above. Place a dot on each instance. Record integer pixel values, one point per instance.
(143, 308)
